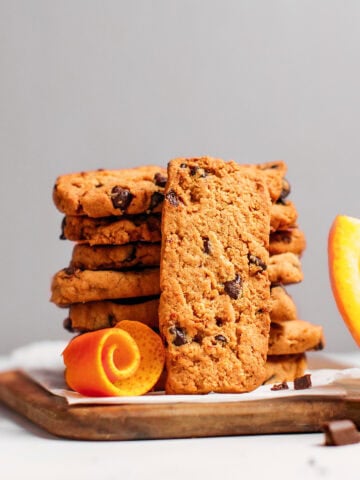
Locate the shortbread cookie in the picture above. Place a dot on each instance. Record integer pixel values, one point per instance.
(74, 286)
(296, 336)
(84, 317)
(112, 230)
(283, 307)
(115, 257)
(283, 215)
(290, 240)
(101, 193)
(214, 303)
(285, 368)
(285, 268)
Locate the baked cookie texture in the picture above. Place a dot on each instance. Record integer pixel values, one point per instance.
(112, 230)
(101, 193)
(296, 336)
(73, 286)
(284, 368)
(115, 257)
(289, 240)
(283, 307)
(285, 268)
(214, 304)
(84, 317)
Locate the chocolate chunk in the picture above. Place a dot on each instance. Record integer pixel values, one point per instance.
(156, 199)
(279, 386)
(180, 336)
(257, 261)
(207, 245)
(172, 198)
(221, 338)
(340, 432)
(160, 180)
(302, 383)
(121, 198)
(233, 287)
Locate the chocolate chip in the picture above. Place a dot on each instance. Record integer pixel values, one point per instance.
(62, 234)
(285, 190)
(219, 321)
(160, 180)
(207, 245)
(197, 338)
(172, 198)
(121, 197)
(69, 271)
(183, 165)
(67, 324)
(156, 199)
(279, 386)
(319, 346)
(340, 432)
(112, 320)
(302, 383)
(221, 338)
(180, 336)
(257, 261)
(99, 185)
(233, 287)
(193, 170)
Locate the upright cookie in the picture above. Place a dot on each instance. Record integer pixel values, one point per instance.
(215, 291)
(101, 193)
(112, 230)
(74, 286)
(283, 215)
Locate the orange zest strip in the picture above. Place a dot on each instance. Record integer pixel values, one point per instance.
(152, 358)
(122, 361)
(95, 360)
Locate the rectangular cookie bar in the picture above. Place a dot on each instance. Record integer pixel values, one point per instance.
(214, 304)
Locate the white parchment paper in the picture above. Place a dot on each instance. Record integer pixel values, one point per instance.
(43, 363)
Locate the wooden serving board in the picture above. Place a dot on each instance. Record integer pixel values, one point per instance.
(130, 422)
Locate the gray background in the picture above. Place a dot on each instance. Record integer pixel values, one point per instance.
(110, 84)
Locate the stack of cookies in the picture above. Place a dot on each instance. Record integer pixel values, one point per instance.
(114, 218)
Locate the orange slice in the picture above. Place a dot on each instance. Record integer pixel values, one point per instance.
(344, 270)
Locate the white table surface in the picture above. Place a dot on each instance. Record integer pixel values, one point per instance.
(28, 452)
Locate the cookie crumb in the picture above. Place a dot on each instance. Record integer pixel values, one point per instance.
(279, 386)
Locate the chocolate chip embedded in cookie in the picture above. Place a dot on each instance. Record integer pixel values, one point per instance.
(289, 240)
(75, 286)
(101, 193)
(274, 172)
(115, 257)
(216, 219)
(296, 336)
(112, 230)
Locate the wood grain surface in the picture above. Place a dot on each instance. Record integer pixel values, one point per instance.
(131, 422)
